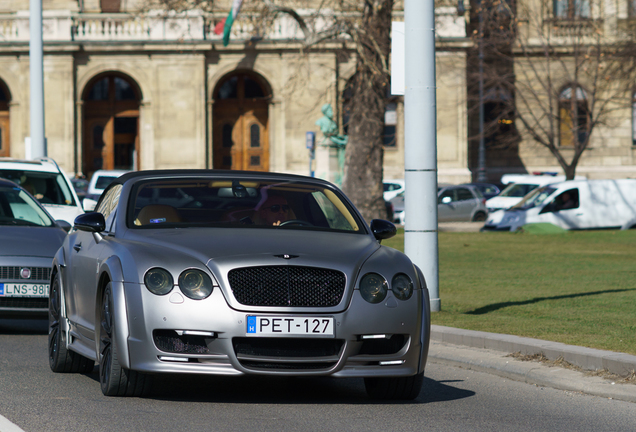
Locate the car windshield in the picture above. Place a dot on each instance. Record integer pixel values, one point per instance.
(517, 190)
(242, 203)
(18, 208)
(46, 187)
(103, 182)
(534, 198)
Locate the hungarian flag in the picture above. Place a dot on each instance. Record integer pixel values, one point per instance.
(225, 25)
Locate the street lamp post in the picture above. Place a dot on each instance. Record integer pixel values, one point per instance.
(481, 170)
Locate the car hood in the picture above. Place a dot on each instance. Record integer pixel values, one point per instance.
(235, 245)
(30, 241)
(500, 202)
(224, 249)
(63, 212)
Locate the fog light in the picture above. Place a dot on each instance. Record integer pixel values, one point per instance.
(391, 363)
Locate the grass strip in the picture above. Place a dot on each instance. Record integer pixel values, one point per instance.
(574, 287)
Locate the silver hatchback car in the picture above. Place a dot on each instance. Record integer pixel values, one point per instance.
(455, 203)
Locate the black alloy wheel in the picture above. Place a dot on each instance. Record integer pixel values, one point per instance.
(114, 379)
(60, 358)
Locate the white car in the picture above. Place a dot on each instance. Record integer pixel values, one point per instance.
(392, 188)
(46, 181)
(99, 181)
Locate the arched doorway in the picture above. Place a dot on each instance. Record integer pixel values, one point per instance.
(111, 124)
(240, 123)
(5, 143)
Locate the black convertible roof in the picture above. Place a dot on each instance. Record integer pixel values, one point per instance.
(146, 174)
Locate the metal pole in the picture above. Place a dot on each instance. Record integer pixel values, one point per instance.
(481, 171)
(36, 70)
(420, 148)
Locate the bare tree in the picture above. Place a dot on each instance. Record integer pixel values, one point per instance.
(574, 69)
(365, 25)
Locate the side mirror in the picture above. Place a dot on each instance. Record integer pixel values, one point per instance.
(90, 222)
(382, 229)
(64, 225)
(89, 204)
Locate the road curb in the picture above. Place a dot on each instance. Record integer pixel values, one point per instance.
(457, 347)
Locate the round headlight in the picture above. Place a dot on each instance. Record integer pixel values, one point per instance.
(373, 287)
(158, 281)
(402, 286)
(195, 284)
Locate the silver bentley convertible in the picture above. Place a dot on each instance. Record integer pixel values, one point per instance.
(231, 273)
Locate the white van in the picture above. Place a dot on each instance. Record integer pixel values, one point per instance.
(575, 205)
(518, 186)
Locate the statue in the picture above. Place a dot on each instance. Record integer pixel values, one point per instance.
(332, 138)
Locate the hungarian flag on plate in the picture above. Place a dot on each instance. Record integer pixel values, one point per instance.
(225, 25)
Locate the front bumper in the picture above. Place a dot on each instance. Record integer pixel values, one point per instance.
(174, 334)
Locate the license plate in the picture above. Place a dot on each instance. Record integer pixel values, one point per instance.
(24, 290)
(286, 325)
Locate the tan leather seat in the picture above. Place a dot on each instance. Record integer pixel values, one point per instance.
(157, 214)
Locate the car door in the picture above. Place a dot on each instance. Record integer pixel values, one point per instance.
(446, 205)
(85, 258)
(566, 210)
(465, 204)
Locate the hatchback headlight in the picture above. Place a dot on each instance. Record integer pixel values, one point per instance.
(158, 281)
(402, 286)
(195, 284)
(373, 287)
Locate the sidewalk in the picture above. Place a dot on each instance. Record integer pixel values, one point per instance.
(487, 352)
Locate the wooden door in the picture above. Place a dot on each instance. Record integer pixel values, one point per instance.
(241, 136)
(5, 144)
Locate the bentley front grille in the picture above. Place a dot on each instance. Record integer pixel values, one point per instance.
(293, 286)
(13, 273)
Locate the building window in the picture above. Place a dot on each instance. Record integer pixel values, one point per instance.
(572, 9)
(255, 135)
(573, 117)
(390, 124)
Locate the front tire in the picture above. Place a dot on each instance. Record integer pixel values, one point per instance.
(399, 388)
(114, 379)
(60, 358)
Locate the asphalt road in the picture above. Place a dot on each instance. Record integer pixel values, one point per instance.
(454, 399)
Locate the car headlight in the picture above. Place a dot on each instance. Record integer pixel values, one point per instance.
(195, 284)
(402, 286)
(373, 287)
(158, 281)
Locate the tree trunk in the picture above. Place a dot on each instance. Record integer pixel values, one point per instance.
(364, 152)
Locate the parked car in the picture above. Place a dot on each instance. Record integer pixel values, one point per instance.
(455, 203)
(488, 190)
(576, 204)
(29, 240)
(46, 181)
(256, 273)
(392, 188)
(99, 181)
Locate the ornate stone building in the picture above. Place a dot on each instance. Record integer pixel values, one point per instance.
(132, 90)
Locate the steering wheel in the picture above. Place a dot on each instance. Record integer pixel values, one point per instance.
(296, 222)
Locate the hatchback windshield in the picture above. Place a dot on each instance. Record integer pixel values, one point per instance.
(18, 208)
(239, 203)
(535, 198)
(517, 190)
(46, 187)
